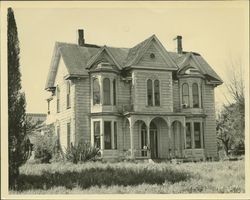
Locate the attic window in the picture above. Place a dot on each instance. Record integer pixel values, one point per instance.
(152, 55)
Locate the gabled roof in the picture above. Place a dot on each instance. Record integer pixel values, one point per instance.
(75, 58)
(136, 53)
(116, 54)
(78, 58)
(198, 62)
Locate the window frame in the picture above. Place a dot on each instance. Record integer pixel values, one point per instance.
(191, 138)
(148, 100)
(197, 96)
(68, 103)
(109, 147)
(185, 95)
(68, 134)
(159, 93)
(114, 91)
(106, 97)
(58, 94)
(94, 133)
(199, 135)
(96, 80)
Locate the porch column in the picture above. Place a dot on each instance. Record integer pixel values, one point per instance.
(132, 141)
(184, 135)
(148, 141)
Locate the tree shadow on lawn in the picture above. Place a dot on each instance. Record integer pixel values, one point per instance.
(99, 177)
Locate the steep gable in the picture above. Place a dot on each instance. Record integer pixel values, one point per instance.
(152, 57)
(142, 53)
(103, 53)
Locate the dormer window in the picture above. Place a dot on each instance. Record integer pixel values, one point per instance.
(96, 91)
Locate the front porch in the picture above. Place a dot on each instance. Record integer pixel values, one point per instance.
(158, 137)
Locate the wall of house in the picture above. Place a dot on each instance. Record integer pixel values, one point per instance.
(82, 109)
(66, 115)
(210, 122)
(140, 78)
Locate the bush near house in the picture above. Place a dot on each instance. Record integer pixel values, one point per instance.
(81, 153)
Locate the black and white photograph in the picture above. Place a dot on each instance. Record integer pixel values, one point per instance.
(144, 99)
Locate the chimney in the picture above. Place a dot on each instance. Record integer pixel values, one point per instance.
(81, 40)
(179, 44)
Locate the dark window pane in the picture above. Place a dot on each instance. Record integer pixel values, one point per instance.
(97, 139)
(96, 91)
(68, 95)
(188, 136)
(185, 95)
(106, 91)
(150, 92)
(68, 135)
(143, 139)
(114, 92)
(197, 135)
(58, 99)
(115, 135)
(107, 135)
(195, 95)
(157, 92)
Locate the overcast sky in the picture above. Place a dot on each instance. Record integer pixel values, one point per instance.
(217, 30)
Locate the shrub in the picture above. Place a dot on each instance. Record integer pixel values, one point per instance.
(81, 153)
(45, 146)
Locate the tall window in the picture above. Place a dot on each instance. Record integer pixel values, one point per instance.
(188, 136)
(197, 135)
(150, 92)
(96, 91)
(185, 95)
(114, 92)
(106, 91)
(157, 92)
(68, 134)
(97, 139)
(58, 99)
(195, 95)
(115, 135)
(68, 95)
(107, 135)
(143, 138)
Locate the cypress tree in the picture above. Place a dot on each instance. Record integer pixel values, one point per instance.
(18, 149)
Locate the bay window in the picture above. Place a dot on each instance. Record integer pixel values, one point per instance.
(195, 92)
(97, 139)
(96, 91)
(185, 95)
(106, 91)
(107, 135)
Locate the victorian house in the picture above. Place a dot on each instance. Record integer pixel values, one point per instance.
(138, 102)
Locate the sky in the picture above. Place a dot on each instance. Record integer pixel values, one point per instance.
(217, 30)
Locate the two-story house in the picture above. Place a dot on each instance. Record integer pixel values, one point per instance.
(141, 102)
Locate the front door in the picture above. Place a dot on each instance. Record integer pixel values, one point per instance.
(153, 143)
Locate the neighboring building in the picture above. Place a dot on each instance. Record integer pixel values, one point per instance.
(142, 102)
(35, 118)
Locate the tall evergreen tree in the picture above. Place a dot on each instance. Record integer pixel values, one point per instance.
(18, 149)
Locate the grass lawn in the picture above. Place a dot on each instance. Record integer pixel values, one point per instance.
(125, 177)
